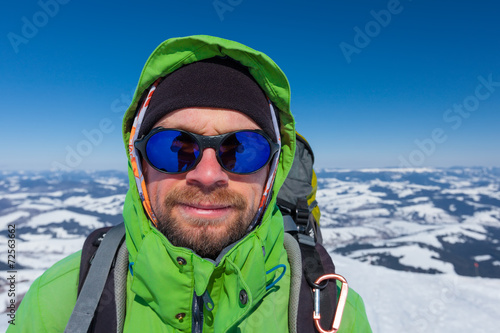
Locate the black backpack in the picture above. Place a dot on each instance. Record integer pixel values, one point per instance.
(102, 290)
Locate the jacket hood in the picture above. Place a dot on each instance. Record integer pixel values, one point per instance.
(143, 239)
(177, 52)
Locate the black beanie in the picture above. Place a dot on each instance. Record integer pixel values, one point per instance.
(217, 83)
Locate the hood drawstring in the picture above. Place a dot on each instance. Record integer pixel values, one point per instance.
(279, 277)
(267, 194)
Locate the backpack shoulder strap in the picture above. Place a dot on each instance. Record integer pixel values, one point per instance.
(295, 260)
(120, 284)
(308, 261)
(95, 281)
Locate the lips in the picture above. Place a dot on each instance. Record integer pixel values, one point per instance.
(206, 206)
(208, 211)
(195, 207)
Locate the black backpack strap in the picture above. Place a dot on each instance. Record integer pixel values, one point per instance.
(313, 261)
(95, 281)
(316, 262)
(299, 212)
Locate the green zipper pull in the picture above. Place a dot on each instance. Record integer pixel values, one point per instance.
(207, 300)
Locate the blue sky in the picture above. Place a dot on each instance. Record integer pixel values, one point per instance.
(374, 83)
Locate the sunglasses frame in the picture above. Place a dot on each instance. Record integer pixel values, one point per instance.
(204, 142)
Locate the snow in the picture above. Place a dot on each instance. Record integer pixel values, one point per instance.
(65, 215)
(342, 197)
(454, 239)
(483, 257)
(109, 181)
(14, 196)
(418, 199)
(427, 237)
(487, 218)
(55, 194)
(376, 170)
(472, 193)
(111, 205)
(398, 301)
(416, 256)
(377, 212)
(36, 206)
(398, 227)
(344, 235)
(9, 218)
(427, 212)
(26, 195)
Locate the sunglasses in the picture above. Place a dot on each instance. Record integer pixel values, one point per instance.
(175, 151)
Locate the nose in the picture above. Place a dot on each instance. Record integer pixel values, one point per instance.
(208, 172)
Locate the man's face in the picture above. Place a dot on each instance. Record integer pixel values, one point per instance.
(207, 208)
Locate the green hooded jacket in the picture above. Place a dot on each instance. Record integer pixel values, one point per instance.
(162, 289)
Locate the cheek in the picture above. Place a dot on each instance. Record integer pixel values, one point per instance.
(258, 197)
(158, 184)
(257, 186)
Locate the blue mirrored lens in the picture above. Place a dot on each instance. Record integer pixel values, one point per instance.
(172, 151)
(244, 152)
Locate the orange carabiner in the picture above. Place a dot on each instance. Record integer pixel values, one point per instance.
(340, 305)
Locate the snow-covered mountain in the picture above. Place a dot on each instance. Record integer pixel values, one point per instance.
(411, 223)
(419, 220)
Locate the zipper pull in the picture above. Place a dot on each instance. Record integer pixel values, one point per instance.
(207, 300)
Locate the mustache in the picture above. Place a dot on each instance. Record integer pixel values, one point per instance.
(192, 195)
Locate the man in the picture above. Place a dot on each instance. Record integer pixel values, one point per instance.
(210, 139)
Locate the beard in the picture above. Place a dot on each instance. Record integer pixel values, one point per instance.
(207, 237)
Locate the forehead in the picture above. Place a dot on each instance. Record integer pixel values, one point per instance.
(207, 121)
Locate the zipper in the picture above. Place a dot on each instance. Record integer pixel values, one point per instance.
(197, 325)
(198, 303)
